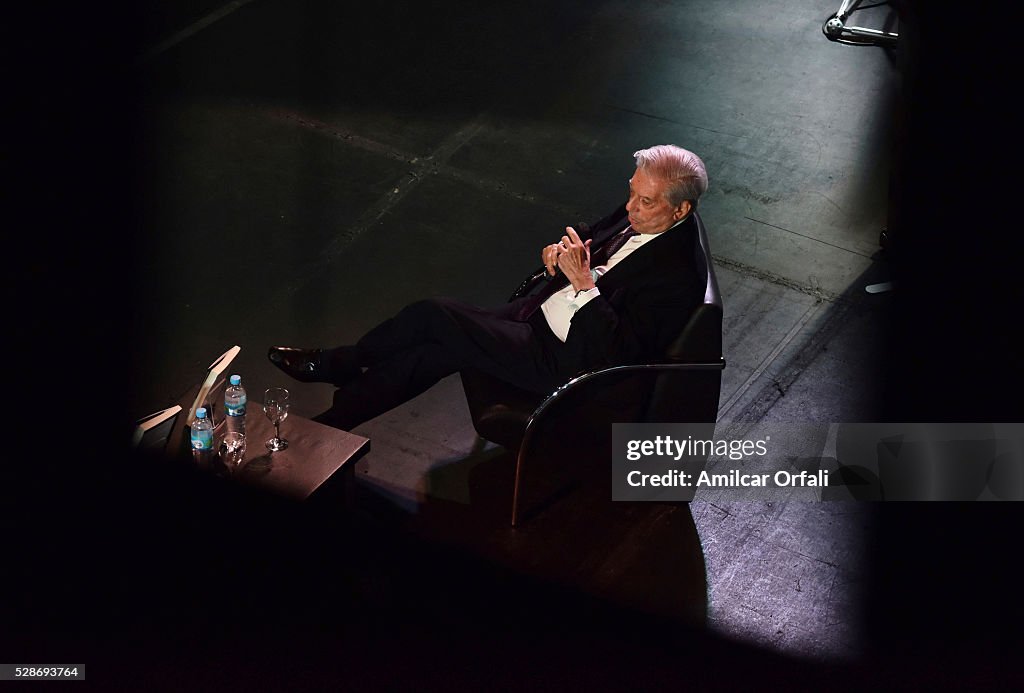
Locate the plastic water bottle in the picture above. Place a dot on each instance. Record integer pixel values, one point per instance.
(202, 438)
(234, 405)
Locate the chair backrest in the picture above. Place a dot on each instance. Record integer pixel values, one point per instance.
(693, 398)
(701, 338)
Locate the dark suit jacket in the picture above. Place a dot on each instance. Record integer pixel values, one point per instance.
(645, 300)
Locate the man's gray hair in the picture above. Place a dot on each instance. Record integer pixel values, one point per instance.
(684, 171)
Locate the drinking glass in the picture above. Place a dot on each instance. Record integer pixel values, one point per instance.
(232, 450)
(275, 406)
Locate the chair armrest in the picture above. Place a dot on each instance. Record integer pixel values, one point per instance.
(529, 284)
(594, 376)
(603, 378)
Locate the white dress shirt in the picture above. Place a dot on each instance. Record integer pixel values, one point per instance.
(563, 304)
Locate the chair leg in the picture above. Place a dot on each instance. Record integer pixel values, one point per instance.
(515, 487)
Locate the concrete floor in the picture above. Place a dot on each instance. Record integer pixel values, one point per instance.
(303, 173)
(316, 185)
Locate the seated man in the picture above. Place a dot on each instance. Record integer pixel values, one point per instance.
(618, 293)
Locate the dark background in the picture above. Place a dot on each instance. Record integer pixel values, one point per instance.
(74, 521)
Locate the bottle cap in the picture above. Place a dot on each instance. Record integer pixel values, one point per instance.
(201, 413)
(235, 379)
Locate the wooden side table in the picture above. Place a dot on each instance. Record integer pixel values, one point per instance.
(316, 456)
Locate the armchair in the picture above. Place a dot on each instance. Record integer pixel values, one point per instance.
(576, 418)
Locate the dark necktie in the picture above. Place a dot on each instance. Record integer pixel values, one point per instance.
(559, 281)
(603, 254)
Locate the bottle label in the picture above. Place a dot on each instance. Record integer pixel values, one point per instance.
(237, 408)
(202, 439)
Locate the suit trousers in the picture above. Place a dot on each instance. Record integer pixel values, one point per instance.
(431, 339)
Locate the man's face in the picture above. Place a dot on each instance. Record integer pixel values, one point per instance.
(648, 207)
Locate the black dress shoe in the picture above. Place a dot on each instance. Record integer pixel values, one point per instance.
(305, 365)
(310, 365)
